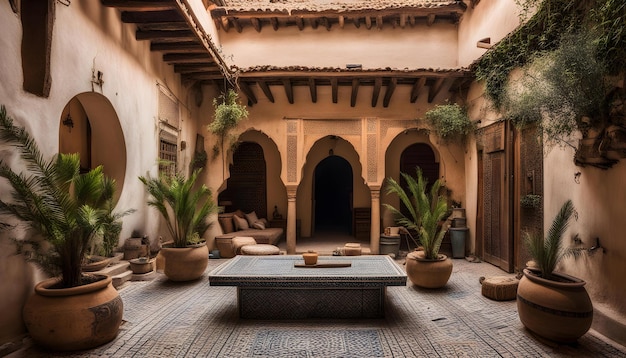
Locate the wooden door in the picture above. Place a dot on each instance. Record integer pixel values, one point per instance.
(495, 198)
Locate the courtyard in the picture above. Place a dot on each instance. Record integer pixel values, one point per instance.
(166, 319)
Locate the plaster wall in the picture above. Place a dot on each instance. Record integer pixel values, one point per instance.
(413, 48)
(490, 18)
(86, 37)
(598, 197)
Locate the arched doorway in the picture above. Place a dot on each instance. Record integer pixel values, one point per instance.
(418, 155)
(246, 187)
(90, 126)
(332, 193)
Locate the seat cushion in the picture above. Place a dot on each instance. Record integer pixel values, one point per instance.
(260, 249)
(238, 242)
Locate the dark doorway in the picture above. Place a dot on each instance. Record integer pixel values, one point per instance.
(332, 187)
(246, 188)
(418, 155)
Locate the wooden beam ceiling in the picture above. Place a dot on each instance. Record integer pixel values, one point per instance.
(171, 30)
(436, 84)
(226, 18)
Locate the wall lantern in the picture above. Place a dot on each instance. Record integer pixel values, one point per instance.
(68, 122)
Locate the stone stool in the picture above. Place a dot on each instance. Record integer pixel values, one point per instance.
(238, 242)
(352, 249)
(260, 249)
(500, 288)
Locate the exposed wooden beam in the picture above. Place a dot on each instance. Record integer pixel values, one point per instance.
(140, 5)
(378, 83)
(431, 19)
(300, 23)
(225, 24)
(288, 89)
(248, 92)
(379, 22)
(357, 22)
(412, 21)
(391, 87)
(355, 92)
(202, 76)
(434, 89)
(368, 22)
(256, 23)
(313, 23)
(335, 90)
(274, 22)
(236, 24)
(164, 35)
(402, 20)
(187, 58)
(266, 90)
(185, 47)
(341, 20)
(326, 23)
(313, 89)
(151, 17)
(417, 87)
(195, 67)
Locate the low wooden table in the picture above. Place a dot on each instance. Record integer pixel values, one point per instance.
(272, 287)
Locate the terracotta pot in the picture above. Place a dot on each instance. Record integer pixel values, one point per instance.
(310, 258)
(141, 265)
(185, 264)
(77, 318)
(95, 263)
(428, 273)
(560, 311)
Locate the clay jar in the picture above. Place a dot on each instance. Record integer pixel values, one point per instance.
(310, 258)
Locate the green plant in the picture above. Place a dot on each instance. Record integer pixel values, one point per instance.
(426, 210)
(199, 160)
(450, 121)
(63, 208)
(228, 113)
(548, 251)
(530, 201)
(111, 222)
(562, 90)
(185, 208)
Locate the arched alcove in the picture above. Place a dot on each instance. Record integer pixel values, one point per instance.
(89, 126)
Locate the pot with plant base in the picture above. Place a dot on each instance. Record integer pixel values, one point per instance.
(559, 310)
(76, 318)
(185, 263)
(428, 273)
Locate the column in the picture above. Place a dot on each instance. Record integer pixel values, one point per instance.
(291, 221)
(375, 220)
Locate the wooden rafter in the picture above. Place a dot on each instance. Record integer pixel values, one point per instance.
(247, 91)
(355, 92)
(288, 90)
(266, 90)
(435, 88)
(378, 83)
(417, 87)
(391, 87)
(313, 90)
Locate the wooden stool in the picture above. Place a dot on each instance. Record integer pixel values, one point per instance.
(260, 249)
(238, 242)
(500, 288)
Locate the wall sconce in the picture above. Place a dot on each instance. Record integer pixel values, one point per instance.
(96, 78)
(68, 122)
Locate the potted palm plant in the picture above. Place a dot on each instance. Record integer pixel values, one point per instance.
(186, 209)
(553, 305)
(427, 267)
(63, 210)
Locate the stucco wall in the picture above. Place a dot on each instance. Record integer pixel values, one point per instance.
(417, 47)
(87, 36)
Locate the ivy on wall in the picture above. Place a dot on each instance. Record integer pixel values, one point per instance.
(605, 19)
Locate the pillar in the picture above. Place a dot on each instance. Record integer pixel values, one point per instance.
(375, 220)
(291, 221)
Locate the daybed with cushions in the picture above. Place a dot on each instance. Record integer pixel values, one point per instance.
(240, 224)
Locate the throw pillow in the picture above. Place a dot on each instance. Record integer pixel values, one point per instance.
(227, 224)
(240, 223)
(259, 225)
(265, 222)
(252, 218)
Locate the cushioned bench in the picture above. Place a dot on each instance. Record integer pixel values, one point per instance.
(233, 225)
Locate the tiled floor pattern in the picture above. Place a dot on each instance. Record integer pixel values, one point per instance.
(165, 319)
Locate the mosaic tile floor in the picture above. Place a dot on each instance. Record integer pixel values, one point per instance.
(164, 319)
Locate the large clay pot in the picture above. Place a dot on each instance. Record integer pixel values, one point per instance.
(428, 273)
(77, 318)
(185, 264)
(560, 311)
